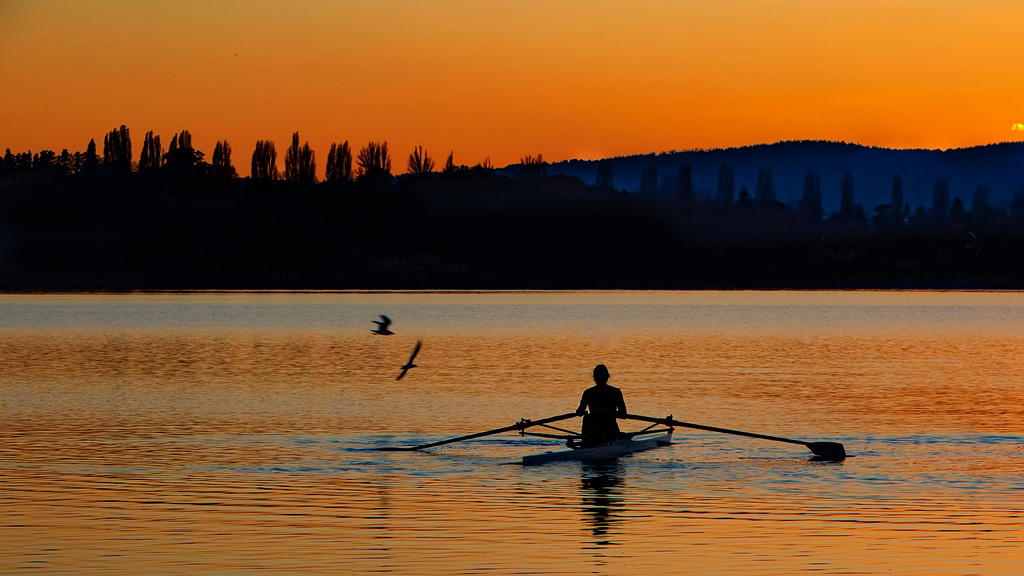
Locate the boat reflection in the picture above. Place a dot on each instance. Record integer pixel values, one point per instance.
(601, 489)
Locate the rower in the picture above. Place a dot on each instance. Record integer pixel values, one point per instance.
(606, 404)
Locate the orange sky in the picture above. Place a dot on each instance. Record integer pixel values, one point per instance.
(502, 79)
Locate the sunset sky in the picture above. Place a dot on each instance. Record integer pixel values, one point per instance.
(503, 79)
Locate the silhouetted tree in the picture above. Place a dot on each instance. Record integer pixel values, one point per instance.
(979, 204)
(604, 174)
(221, 161)
(8, 163)
(883, 215)
(180, 154)
(859, 217)
(299, 162)
(919, 218)
(264, 161)
(957, 211)
(726, 190)
(532, 166)
(66, 163)
(339, 163)
(486, 166)
(23, 161)
(420, 162)
(1017, 209)
(91, 160)
(117, 149)
(649, 180)
(152, 155)
(449, 164)
(684, 184)
(743, 202)
(43, 162)
(896, 199)
(847, 205)
(374, 163)
(940, 200)
(764, 194)
(810, 202)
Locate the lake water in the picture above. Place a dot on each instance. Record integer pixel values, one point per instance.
(232, 433)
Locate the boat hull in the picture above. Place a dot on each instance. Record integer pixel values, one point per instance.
(605, 451)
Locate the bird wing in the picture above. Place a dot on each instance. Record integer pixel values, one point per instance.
(386, 321)
(404, 370)
(415, 351)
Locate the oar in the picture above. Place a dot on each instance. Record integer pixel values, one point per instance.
(823, 450)
(521, 425)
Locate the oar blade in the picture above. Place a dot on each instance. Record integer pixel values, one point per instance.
(831, 451)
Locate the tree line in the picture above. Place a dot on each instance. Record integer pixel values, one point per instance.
(886, 217)
(372, 163)
(168, 218)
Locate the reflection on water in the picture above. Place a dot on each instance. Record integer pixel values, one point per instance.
(231, 434)
(601, 487)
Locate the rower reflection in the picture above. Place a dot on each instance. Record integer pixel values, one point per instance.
(601, 490)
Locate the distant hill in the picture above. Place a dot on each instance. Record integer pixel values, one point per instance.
(998, 166)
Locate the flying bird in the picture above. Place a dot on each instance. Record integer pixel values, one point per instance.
(409, 364)
(382, 326)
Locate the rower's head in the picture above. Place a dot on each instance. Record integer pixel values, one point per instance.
(601, 374)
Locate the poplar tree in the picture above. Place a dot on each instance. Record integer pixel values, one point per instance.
(420, 162)
(810, 203)
(684, 184)
(979, 204)
(299, 162)
(374, 162)
(940, 199)
(264, 161)
(896, 198)
(339, 163)
(847, 206)
(726, 190)
(221, 161)
(180, 154)
(1017, 208)
(152, 155)
(117, 149)
(764, 193)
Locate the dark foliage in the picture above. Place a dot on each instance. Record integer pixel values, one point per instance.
(64, 224)
(264, 161)
(299, 162)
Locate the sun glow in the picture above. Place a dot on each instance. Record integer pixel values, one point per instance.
(563, 78)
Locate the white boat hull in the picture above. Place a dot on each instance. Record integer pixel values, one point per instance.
(611, 450)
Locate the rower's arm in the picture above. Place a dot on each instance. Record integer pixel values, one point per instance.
(582, 409)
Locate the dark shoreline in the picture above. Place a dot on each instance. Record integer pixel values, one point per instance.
(471, 230)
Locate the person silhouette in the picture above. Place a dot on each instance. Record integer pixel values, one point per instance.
(605, 404)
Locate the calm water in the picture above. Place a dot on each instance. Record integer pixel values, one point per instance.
(231, 434)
